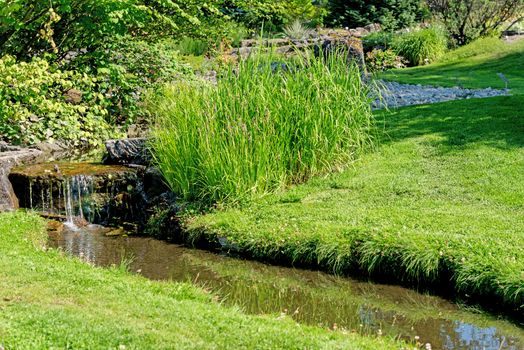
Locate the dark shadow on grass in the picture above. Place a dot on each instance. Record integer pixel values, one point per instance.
(496, 122)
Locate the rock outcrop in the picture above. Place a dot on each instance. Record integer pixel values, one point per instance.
(11, 156)
(127, 151)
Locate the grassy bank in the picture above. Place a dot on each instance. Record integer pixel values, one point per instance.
(441, 201)
(473, 66)
(48, 300)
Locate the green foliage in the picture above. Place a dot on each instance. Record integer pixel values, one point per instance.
(471, 66)
(415, 210)
(273, 15)
(421, 46)
(263, 127)
(391, 14)
(28, 27)
(379, 60)
(39, 102)
(126, 68)
(378, 40)
(192, 46)
(297, 30)
(467, 20)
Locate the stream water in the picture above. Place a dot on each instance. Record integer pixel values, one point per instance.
(310, 297)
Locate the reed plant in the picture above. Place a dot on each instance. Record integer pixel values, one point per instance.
(267, 124)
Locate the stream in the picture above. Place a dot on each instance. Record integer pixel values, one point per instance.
(309, 297)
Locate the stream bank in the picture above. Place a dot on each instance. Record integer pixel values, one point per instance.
(309, 297)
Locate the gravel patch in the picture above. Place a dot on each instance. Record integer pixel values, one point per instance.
(399, 95)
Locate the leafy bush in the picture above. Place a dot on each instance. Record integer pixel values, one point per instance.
(421, 46)
(378, 40)
(273, 15)
(379, 60)
(391, 14)
(263, 127)
(125, 68)
(29, 27)
(39, 102)
(192, 47)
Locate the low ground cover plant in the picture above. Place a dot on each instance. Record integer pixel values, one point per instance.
(267, 124)
(476, 65)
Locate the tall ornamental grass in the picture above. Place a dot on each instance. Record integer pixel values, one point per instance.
(264, 126)
(422, 46)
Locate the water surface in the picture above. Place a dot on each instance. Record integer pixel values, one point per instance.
(310, 297)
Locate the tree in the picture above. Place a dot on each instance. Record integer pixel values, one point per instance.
(391, 14)
(467, 20)
(32, 27)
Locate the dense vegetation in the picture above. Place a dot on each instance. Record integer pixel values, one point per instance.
(102, 57)
(440, 203)
(264, 126)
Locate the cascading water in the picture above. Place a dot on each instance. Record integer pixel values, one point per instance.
(78, 193)
(65, 196)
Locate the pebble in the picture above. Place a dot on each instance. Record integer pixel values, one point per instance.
(393, 94)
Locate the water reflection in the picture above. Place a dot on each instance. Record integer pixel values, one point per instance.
(309, 297)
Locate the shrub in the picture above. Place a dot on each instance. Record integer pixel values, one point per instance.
(273, 15)
(380, 60)
(263, 127)
(421, 46)
(192, 47)
(378, 40)
(125, 68)
(29, 27)
(39, 102)
(391, 14)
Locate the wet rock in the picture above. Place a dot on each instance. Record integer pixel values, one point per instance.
(116, 232)
(11, 156)
(127, 151)
(55, 226)
(71, 189)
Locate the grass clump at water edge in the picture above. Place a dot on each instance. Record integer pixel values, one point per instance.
(265, 125)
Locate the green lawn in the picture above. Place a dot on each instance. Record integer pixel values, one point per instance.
(472, 66)
(441, 200)
(48, 300)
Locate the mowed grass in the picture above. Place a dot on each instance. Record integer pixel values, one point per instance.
(48, 300)
(473, 66)
(441, 202)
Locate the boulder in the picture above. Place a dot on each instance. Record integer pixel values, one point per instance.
(11, 156)
(127, 151)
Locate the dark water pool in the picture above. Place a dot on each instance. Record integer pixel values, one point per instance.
(309, 297)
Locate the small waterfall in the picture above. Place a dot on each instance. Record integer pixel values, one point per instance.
(78, 193)
(65, 196)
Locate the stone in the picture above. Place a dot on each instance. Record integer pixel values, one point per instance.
(73, 96)
(11, 156)
(393, 94)
(127, 151)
